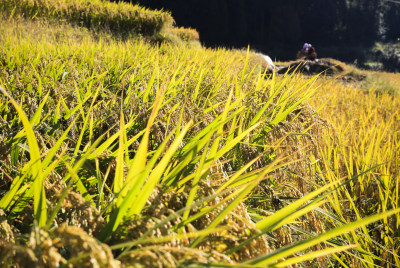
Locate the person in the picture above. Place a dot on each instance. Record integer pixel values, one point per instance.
(307, 52)
(311, 53)
(304, 51)
(305, 48)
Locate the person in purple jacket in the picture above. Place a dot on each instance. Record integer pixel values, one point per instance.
(307, 52)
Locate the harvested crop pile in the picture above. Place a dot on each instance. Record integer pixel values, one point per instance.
(319, 66)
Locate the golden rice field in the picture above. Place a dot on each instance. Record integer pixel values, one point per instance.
(366, 134)
(125, 153)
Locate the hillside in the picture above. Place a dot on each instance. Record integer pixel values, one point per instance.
(127, 147)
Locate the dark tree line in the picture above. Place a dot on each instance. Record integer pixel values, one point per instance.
(284, 25)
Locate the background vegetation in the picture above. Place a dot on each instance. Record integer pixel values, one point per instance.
(340, 29)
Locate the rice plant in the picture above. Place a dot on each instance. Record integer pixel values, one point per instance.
(118, 17)
(123, 153)
(366, 135)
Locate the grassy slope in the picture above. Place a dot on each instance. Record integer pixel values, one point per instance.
(122, 20)
(97, 85)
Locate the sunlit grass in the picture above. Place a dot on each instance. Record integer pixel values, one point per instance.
(117, 17)
(172, 155)
(366, 135)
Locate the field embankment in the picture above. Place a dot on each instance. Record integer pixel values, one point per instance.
(366, 80)
(119, 19)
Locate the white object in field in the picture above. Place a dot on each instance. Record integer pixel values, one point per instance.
(268, 60)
